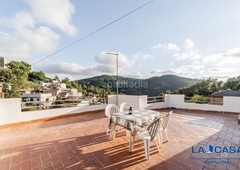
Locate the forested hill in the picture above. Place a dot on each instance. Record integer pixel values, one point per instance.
(151, 87)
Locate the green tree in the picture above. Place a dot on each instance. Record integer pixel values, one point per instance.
(67, 82)
(19, 67)
(233, 83)
(204, 88)
(56, 78)
(37, 75)
(6, 75)
(19, 81)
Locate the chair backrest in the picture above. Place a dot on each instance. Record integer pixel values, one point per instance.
(110, 109)
(124, 106)
(166, 120)
(153, 128)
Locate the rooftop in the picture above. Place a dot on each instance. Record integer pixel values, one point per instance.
(80, 142)
(227, 93)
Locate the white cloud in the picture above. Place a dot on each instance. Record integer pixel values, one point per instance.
(191, 67)
(146, 56)
(213, 69)
(136, 75)
(222, 70)
(188, 44)
(169, 47)
(231, 57)
(189, 53)
(111, 61)
(171, 63)
(158, 71)
(235, 52)
(183, 70)
(27, 33)
(139, 55)
(136, 56)
(104, 64)
(218, 77)
(55, 13)
(20, 45)
(178, 72)
(196, 62)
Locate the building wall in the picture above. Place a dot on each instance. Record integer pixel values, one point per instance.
(63, 86)
(135, 101)
(40, 96)
(54, 92)
(3, 62)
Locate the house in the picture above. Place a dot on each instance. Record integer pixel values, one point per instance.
(53, 91)
(37, 99)
(3, 62)
(217, 98)
(54, 84)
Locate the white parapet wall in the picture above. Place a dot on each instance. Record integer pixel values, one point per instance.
(136, 101)
(10, 111)
(230, 104)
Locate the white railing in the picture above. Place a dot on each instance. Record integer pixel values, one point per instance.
(155, 99)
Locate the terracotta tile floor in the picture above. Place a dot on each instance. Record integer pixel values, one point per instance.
(80, 142)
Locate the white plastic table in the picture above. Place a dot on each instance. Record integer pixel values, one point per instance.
(138, 117)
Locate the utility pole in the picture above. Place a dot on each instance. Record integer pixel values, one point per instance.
(116, 54)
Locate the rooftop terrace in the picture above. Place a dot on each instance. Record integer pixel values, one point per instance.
(80, 142)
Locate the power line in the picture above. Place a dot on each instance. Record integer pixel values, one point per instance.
(86, 36)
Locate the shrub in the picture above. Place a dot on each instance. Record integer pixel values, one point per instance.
(199, 99)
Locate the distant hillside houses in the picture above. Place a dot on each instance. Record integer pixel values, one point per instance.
(54, 84)
(50, 92)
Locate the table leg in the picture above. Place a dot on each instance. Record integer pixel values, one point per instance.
(112, 132)
(131, 141)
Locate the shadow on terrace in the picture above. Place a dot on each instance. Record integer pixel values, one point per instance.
(83, 144)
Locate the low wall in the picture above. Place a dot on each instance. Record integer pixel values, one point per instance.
(136, 101)
(230, 104)
(10, 111)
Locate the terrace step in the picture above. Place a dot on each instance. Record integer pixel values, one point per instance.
(238, 118)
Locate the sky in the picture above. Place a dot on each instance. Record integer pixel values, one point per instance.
(187, 38)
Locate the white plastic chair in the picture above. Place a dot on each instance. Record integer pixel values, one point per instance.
(109, 110)
(124, 106)
(164, 127)
(151, 133)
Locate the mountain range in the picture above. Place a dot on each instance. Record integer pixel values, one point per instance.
(153, 86)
